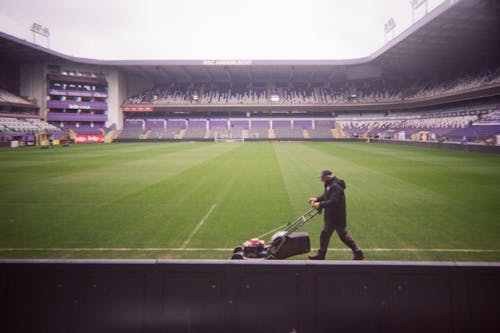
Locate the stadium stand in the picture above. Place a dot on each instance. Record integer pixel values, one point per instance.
(174, 128)
(394, 93)
(196, 129)
(259, 129)
(25, 127)
(131, 133)
(322, 130)
(156, 128)
(28, 126)
(320, 133)
(449, 127)
(283, 130)
(219, 128)
(492, 118)
(473, 126)
(195, 133)
(371, 92)
(157, 133)
(7, 97)
(76, 100)
(236, 133)
(24, 131)
(288, 133)
(260, 133)
(133, 129)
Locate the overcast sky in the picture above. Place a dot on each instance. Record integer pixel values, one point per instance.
(209, 29)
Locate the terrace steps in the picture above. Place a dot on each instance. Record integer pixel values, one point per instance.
(181, 134)
(319, 96)
(112, 135)
(202, 92)
(372, 126)
(337, 132)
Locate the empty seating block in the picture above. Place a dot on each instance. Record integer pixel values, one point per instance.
(195, 133)
(131, 133)
(320, 133)
(258, 133)
(289, 133)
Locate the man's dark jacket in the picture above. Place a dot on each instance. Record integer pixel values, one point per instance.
(333, 202)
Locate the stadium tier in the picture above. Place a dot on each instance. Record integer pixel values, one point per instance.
(268, 111)
(7, 98)
(448, 126)
(19, 121)
(77, 100)
(23, 131)
(366, 92)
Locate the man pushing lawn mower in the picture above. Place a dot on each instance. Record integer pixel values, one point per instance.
(288, 242)
(332, 201)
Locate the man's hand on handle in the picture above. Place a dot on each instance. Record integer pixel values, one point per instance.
(315, 205)
(312, 200)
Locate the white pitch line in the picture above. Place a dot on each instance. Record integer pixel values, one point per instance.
(194, 249)
(110, 249)
(430, 250)
(198, 226)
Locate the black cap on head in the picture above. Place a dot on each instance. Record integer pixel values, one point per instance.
(326, 173)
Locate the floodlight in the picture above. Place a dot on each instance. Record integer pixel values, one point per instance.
(415, 4)
(389, 27)
(39, 29)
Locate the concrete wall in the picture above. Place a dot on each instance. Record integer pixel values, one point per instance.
(117, 92)
(248, 296)
(34, 86)
(120, 86)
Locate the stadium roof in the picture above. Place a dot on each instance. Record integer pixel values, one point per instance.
(457, 36)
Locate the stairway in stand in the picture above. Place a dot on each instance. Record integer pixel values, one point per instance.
(338, 132)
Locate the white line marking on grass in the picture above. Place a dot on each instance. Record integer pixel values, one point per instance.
(198, 226)
(430, 250)
(111, 249)
(216, 249)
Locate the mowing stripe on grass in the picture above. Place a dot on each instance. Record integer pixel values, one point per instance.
(198, 226)
(194, 249)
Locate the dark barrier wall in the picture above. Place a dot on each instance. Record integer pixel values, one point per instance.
(236, 296)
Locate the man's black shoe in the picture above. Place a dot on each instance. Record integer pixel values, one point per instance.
(358, 255)
(319, 256)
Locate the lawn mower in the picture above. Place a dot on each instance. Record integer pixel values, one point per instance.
(283, 244)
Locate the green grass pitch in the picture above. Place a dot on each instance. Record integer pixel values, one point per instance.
(199, 200)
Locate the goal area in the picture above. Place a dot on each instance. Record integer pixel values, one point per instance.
(227, 138)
